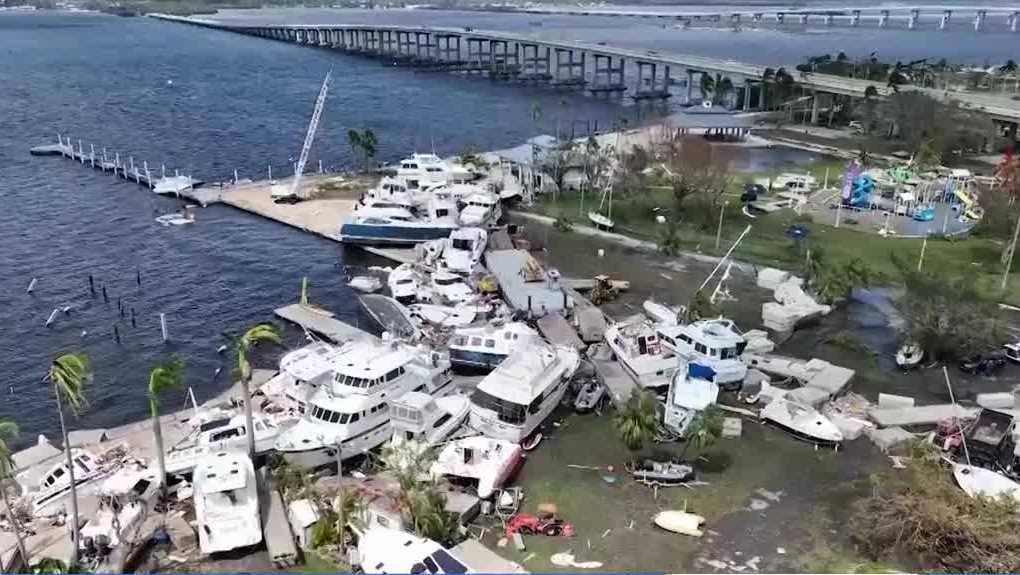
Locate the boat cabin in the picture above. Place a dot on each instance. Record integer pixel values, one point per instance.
(414, 414)
(56, 481)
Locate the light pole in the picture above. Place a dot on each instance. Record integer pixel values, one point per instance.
(340, 485)
(718, 233)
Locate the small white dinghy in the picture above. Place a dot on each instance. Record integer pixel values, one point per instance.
(977, 481)
(600, 221)
(365, 284)
(444, 316)
(680, 522)
(661, 313)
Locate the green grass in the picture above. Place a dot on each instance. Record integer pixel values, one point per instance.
(314, 563)
(976, 257)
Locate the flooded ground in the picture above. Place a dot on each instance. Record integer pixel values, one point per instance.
(772, 503)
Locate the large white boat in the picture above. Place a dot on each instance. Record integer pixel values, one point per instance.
(405, 282)
(463, 250)
(714, 344)
(485, 347)
(351, 411)
(47, 493)
(517, 396)
(485, 463)
(481, 210)
(417, 416)
(387, 550)
(124, 500)
(424, 170)
(172, 184)
(222, 435)
(391, 224)
(687, 396)
(226, 502)
(639, 350)
(450, 287)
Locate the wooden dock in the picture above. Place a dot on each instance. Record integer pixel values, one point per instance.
(140, 174)
(558, 331)
(320, 322)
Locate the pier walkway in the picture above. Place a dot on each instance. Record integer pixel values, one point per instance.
(320, 322)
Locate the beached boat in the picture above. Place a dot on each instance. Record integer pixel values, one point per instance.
(513, 400)
(481, 210)
(373, 224)
(637, 347)
(404, 282)
(417, 416)
(351, 411)
(387, 550)
(426, 170)
(660, 473)
(365, 284)
(47, 494)
(451, 287)
(463, 250)
(801, 420)
(978, 481)
(663, 314)
(124, 501)
(485, 463)
(589, 396)
(715, 345)
(484, 348)
(443, 315)
(688, 395)
(226, 502)
(223, 434)
(680, 522)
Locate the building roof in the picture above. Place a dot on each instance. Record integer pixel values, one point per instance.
(510, 268)
(698, 119)
(83, 437)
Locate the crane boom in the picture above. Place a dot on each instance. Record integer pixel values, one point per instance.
(313, 125)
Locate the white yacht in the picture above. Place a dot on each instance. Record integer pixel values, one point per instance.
(464, 249)
(517, 396)
(172, 184)
(451, 287)
(424, 170)
(484, 348)
(481, 210)
(687, 396)
(483, 462)
(351, 411)
(226, 502)
(417, 416)
(404, 282)
(640, 352)
(48, 492)
(713, 344)
(387, 550)
(124, 499)
(375, 223)
(222, 435)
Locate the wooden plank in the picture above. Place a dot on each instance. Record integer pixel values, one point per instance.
(320, 321)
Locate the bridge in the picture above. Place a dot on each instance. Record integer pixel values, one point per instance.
(597, 68)
(883, 16)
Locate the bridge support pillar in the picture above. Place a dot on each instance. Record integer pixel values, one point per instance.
(780, 16)
(1012, 20)
(883, 19)
(855, 18)
(607, 78)
(572, 71)
(947, 17)
(536, 63)
(747, 94)
(915, 15)
(735, 19)
(803, 19)
(814, 108)
(829, 19)
(649, 86)
(979, 20)
(757, 17)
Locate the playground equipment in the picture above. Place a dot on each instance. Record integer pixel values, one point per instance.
(860, 191)
(957, 187)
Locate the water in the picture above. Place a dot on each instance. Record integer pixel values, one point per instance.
(234, 102)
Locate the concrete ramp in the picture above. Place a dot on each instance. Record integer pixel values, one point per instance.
(558, 331)
(320, 321)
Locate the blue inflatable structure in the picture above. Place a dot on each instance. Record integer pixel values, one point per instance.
(860, 191)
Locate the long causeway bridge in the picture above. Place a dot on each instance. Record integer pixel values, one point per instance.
(597, 68)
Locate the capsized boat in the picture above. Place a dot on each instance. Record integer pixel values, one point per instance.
(680, 522)
(978, 481)
(802, 420)
(481, 461)
(660, 473)
(483, 348)
(226, 502)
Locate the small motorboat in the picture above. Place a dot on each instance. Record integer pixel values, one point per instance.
(365, 284)
(600, 221)
(660, 473)
(663, 314)
(589, 396)
(680, 522)
(978, 481)
(802, 420)
(177, 218)
(1012, 351)
(909, 355)
(531, 442)
(982, 364)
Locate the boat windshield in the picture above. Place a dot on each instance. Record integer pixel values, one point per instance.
(329, 416)
(506, 411)
(443, 562)
(462, 244)
(447, 281)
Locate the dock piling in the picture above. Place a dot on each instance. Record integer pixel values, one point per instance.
(270, 172)
(162, 326)
(92, 285)
(235, 175)
(31, 286)
(116, 334)
(106, 298)
(92, 154)
(133, 323)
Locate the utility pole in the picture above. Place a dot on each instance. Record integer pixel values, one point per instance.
(1012, 250)
(718, 232)
(920, 260)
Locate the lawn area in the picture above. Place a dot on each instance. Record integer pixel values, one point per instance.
(317, 564)
(977, 257)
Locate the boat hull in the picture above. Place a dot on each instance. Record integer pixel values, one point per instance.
(326, 455)
(391, 235)
(475, 360)
(801, 435)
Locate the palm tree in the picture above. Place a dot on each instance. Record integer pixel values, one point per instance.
(49, 565)
(8, 431)
(260, 332)
(707, 86)
(354, 141)
(704, 430)
(166, 376)
(723, 88)
(69, 374)
(768, 76)
(1010, 67)
(638, 421)
(369, 144)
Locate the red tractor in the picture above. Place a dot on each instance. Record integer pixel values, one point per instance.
(531, 524)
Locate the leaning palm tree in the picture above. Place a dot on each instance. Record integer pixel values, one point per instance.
(69, 374)
(707, 86)
(704, 430)
(261, 332)
(8, 431)
(723, 88)
(768, 76)
(639, 420)
(354, 141)
(166, 376)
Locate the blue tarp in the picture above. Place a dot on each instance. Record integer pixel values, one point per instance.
(698, 371)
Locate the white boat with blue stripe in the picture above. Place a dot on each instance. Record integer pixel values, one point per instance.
(376, 222)
(483, 348)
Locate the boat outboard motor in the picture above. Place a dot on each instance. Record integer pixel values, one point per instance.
(103, 545)
(88, 547)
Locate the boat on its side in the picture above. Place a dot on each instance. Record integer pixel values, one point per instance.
(980, 482)
(801, 420)
(688, 395)
(226, 502)
(482, 462)
(395, 225)
(222, 435)
(514, 399)
(484, 348)
(660, 473)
